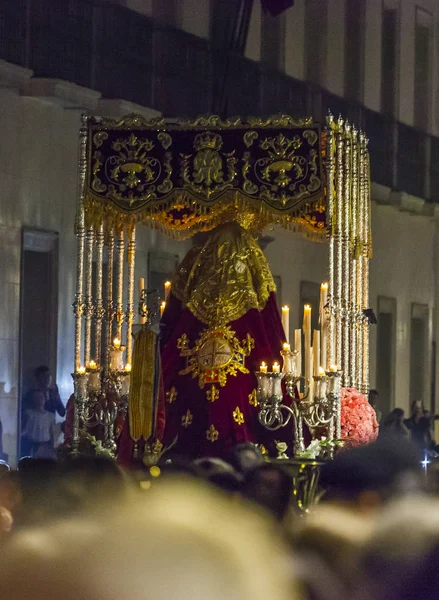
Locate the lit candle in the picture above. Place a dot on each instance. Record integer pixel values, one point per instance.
(323, 324)
(263, 368)
(321, 372)
(287, 347)
(316, 351)
(162, 308)
(276, 367)
(286, 321)
(128, 368)
(298, 350)
(81, 370)
(142, 320)
(92, 365)
(167, 290)
(116, 343)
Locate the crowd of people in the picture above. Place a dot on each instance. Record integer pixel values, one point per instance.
(84, 528)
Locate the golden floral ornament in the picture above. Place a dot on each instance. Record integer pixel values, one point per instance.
(171, 395)
(238, 416)
(212, 393)
(187, 419)
(212, 434)
(253, 398)
(215, 355)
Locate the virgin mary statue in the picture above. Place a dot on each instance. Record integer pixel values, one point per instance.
(221, 322)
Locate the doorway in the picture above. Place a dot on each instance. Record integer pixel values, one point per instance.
(38, 308)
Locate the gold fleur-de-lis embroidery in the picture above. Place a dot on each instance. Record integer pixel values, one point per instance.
(187, 419)
(238, 417)
(253, 398)
(212, 434)
(171, 396)
(212, 394)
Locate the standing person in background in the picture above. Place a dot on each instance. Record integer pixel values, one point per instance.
(412, 423)
(45, 383)
(39, 428)
(373, 401)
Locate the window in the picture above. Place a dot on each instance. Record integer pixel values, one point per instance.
(315, 40)
(354, 49)
(389, 41)
(386, 343)
(419, 354)
(273, 41)
(422, 83)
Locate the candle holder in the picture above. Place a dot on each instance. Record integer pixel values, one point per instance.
(149, 307)
(322, 410)
(273, 414)
(80, 382)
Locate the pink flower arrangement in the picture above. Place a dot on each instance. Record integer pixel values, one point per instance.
(359, 424)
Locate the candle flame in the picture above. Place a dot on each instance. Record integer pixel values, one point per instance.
(92, 364)
(324, 286)
(128, 367)
(307, 307)
(116, 342)
(321, 371)
(81, 370)
(286, 347)
(167, 284)
(286, 308)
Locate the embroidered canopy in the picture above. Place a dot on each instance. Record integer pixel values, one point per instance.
(189, 176)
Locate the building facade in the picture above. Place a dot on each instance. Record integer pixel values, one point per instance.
(373, 61)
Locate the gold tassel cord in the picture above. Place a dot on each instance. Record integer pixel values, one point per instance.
(142, 400)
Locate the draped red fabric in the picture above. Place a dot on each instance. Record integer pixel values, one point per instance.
(193, 429)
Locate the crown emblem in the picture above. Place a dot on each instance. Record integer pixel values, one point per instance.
(208, 140)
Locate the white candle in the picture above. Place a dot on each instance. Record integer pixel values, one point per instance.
(286, 355)
(263, 368)
(125, 384)
(307, 336)
(298, 349)
(162, 308)
(323, 324)
(276, 367)
(167, 290)
(142, 320)
(286, 322)
(94, 382)
(116, 358)
(316, 351)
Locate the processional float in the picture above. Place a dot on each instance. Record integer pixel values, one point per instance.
(184, 177)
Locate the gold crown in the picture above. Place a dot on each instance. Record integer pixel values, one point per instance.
(208, 140)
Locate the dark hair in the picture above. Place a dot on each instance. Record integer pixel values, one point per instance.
(270, 487)
(379, 467)
(40, 370)
(397, 413)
